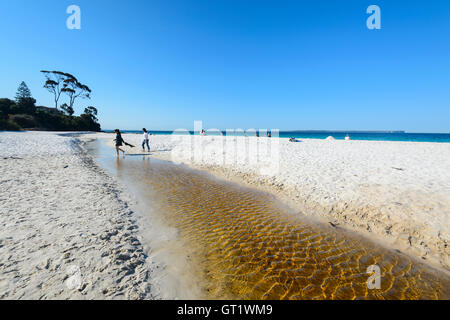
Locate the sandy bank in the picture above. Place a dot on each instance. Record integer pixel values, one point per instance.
(67, 229)
(395, 192)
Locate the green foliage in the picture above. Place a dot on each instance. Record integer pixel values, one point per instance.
(22, 113)
(23, 92)
(61, 122)
(88, 122)
(5, 108)
(11, 119)
(58, 82)
(9, 125)
(91, 112)
(55, 83)
(24, 105)
(75, 89)
(68, 110)
(25, 121)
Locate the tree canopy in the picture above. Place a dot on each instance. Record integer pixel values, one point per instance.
(22, 112)
(75, 89)
(58, 82)
(54, 83)
(23, 92)
(67, 109)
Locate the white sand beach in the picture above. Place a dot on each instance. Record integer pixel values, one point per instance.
(395, 192)
(67, 229)
(71, 231)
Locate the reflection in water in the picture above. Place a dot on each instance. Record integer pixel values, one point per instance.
(248, 246)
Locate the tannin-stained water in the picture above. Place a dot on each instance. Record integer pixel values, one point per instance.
(246, 245)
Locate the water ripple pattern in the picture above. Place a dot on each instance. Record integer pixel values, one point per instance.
(249, 246)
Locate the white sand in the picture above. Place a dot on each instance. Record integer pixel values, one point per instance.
(70, 231)
(396, 192)
(67, 231)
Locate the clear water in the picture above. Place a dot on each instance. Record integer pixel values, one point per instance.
(244, 244)
(339, 135)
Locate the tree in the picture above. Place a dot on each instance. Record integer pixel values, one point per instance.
(23, 92)
(24, 100)
(75, 89)
(26, 105)
(55, 83)
(5, 107)
(67, 109)
(89, 119)
(92, 113)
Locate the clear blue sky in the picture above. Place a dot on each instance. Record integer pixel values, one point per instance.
(239, 64)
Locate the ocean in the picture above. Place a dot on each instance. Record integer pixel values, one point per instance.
(339, 135)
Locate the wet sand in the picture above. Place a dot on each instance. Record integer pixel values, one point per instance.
(231, 241)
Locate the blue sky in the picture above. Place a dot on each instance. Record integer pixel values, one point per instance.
(239, 64)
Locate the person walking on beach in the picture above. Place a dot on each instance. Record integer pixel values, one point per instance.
(146, 140)
(119, 142)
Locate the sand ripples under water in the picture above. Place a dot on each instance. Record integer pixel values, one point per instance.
(246, 245)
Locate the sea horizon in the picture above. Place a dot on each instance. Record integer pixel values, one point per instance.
(396, 135)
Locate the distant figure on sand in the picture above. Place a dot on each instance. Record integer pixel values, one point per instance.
(119, 142)
(347, 138)
(145, 141)
(203, 133)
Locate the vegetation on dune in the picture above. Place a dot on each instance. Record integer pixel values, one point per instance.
(22, 113)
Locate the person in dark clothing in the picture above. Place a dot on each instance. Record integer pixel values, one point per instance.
(119, 142)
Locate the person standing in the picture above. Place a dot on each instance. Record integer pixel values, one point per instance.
(146, 140)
